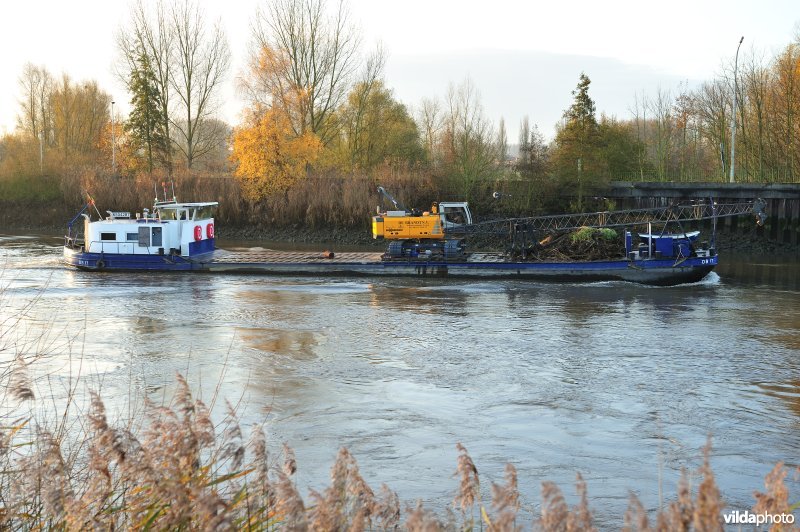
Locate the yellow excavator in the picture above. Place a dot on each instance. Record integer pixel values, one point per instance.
(438, 232)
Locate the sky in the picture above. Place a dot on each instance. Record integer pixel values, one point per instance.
(524, 57)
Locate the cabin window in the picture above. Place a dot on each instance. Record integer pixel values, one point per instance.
(454, 214)
(204, 213)
(168, 214)
(144, 237)
(182, 215)
(132, 237)
(108, 236)
(156, 241)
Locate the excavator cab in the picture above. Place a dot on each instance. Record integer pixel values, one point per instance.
(455, 214)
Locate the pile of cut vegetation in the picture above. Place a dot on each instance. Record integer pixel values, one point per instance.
(587, 243)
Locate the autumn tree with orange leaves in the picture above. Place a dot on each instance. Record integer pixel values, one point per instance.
(270, 157)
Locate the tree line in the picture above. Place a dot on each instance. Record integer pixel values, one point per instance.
(318, 106)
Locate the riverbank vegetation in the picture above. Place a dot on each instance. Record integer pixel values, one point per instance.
(321, 128)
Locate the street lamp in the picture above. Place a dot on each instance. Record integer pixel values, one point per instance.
(41, 152)
(733, 122)
(113, 142)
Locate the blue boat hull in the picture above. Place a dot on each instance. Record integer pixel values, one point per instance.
(664, 272)
(128, 262)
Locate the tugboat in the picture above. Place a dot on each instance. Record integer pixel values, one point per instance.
(440, 242)
(174, 236)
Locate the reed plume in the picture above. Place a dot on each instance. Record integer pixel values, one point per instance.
(775, 499)
(554, 508)
(505, 502)
(348, 502)
(290, 509)
(469, 488)
(708, 505)
(289, 461)
(635, 516)
(420, 519)
(678, 516)
(387, 509)
(19, 382)
(580, 518)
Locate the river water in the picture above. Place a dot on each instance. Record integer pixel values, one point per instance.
(620, 382)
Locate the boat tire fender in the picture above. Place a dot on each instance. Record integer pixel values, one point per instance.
(198, 233)
(100, 264)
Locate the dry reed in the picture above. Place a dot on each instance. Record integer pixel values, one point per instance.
(184, 472)
(775, 500)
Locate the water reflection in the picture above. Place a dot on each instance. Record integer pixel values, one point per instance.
(296, 344)
(774, 271)
(423, 297)
(148, 325)
(788, 392)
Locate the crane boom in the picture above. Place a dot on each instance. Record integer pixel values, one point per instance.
(629, 218)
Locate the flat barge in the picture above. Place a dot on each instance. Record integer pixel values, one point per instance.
(180, 237)
(662, 272)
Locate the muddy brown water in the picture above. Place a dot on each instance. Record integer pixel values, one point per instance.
(620, 382)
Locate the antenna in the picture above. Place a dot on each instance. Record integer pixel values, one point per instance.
(164, 187)
(173, 192)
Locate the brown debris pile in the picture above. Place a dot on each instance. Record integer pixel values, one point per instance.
(585, 244)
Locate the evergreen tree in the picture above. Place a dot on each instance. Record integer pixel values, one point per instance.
(538, 152)
(582, 110)
(145, 126)
(502, 142)
(576, 157)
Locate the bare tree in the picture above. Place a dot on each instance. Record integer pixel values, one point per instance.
(639, 113)
(469, 148)
(35, 84)
(786, 108)
(755, 82)
(359, 102)
(711, 106)
(302, 62)
(188, 61)
(524, 157)
(682, 109)
(429, 118)
(661, 108)
(153, 35)
(200, 60)
(62, 114)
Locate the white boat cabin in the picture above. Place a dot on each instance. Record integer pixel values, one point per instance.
(185, 229)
